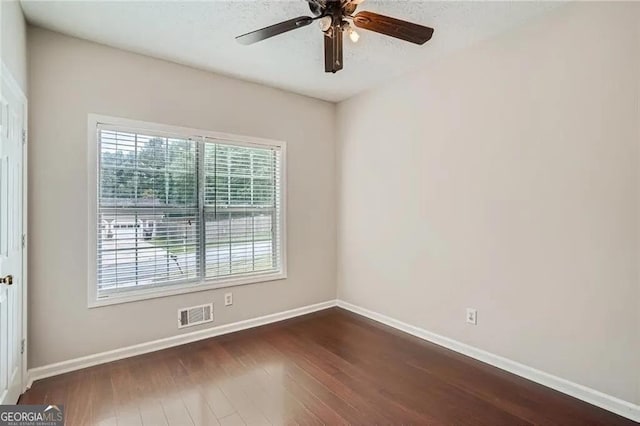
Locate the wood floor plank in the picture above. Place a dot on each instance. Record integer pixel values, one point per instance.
(205, 376)
(319, 399)
(198, 407)
(449, 402)
(278, 404)
(511, 393)
(218, 402)
(331, 367)
(125, 396)
(102, 401)
(152, 413)
(235, 389)
(232, 420)
(363, 398)
(284, 373)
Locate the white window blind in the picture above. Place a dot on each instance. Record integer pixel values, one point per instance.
(180, 210)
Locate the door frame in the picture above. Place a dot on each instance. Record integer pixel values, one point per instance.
(8, 78)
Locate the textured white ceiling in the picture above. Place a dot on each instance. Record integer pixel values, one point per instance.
(201, 34)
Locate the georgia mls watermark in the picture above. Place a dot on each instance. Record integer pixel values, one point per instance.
(31, 415)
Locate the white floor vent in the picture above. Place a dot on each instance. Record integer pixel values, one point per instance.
(195, 315)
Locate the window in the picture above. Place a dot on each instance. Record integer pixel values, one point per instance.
(181, 210)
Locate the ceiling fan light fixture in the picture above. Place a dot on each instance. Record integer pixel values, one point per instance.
(324, 23)
(353, 35)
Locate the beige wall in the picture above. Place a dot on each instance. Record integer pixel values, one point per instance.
(505, 178)
(70, 78)
(13, 41)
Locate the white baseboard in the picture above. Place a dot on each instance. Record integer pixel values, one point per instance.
(156, 345)
(592, 396)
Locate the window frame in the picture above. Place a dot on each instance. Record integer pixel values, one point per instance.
(188, 286)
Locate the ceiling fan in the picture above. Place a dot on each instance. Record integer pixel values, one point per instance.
(336, 17)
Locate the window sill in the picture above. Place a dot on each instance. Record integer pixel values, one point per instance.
(177, 289)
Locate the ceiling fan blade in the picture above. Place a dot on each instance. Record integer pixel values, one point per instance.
(274, 30)
(333, 49)
(321, 3)
(393, 27)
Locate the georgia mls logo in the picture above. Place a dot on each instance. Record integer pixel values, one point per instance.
(53, 412)
(31, 415)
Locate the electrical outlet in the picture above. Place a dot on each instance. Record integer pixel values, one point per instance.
(228, 299)
(472, 316)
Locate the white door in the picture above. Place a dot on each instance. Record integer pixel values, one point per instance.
(12, 121)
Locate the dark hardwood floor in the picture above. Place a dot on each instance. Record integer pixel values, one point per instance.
(331, 367)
